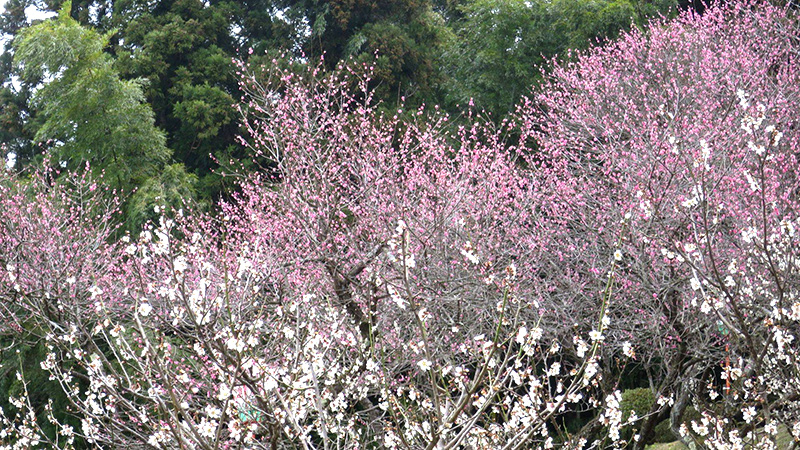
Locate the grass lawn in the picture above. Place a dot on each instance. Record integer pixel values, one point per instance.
(668, 446)
(784, 439)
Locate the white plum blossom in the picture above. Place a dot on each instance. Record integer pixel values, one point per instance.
(424, 365)
(145, 309)
(627, 349)
(468, 251)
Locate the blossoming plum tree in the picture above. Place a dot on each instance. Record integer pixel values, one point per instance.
(690, 130)
(378, 287)
(389, 283)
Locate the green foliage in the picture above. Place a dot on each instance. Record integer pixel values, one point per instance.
(638, 401)
(171, 187)
(16, 120)
(15, 136)
(407, 36)
(503, 45)
(499, 43)
(90, 115)
(663, 433)
(203, 110)
(406, 64)
(25, 358)
(185, 49)
(177, 56)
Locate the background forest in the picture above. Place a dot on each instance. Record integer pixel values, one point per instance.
(179, 57)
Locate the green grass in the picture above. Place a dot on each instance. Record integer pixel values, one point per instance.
(677, 445)
(783, 440)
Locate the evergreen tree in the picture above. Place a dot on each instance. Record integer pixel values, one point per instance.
(502, 45)
(16, 133)
(185, 51)
(91, 116)
(428, 51)
(407, 36)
